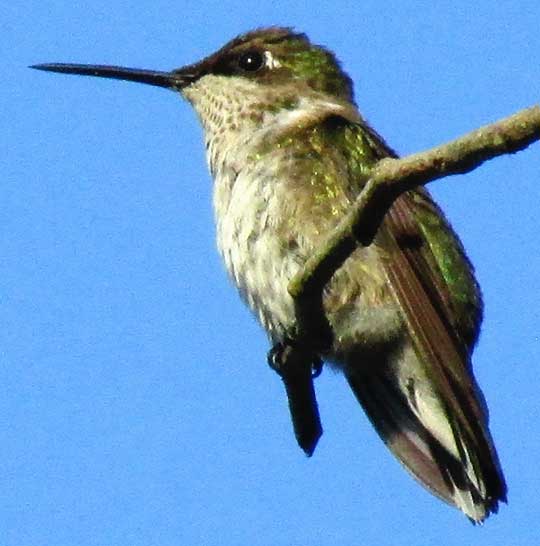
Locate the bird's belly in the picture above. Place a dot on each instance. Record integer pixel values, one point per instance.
(264, 245)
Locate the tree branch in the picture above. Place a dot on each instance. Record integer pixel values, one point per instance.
(389, 179)
(392, 177)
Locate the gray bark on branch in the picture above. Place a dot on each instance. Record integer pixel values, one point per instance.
(392, 177)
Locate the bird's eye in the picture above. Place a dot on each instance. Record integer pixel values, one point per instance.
(251, 61)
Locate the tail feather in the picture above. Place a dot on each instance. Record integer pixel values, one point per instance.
(429, 444)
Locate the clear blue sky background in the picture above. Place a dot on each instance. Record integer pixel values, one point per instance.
(136, 407)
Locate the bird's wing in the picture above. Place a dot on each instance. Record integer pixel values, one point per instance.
(438, 425)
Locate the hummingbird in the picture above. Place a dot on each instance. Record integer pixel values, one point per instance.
(289, 152)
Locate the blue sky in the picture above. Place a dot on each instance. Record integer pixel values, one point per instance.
(136, 406)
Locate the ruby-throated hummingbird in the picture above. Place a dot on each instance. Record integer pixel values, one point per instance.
(289, 153)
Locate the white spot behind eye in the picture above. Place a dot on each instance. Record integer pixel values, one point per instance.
(270, 60)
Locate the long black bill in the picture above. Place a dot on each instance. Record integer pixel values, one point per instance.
(170, 80)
